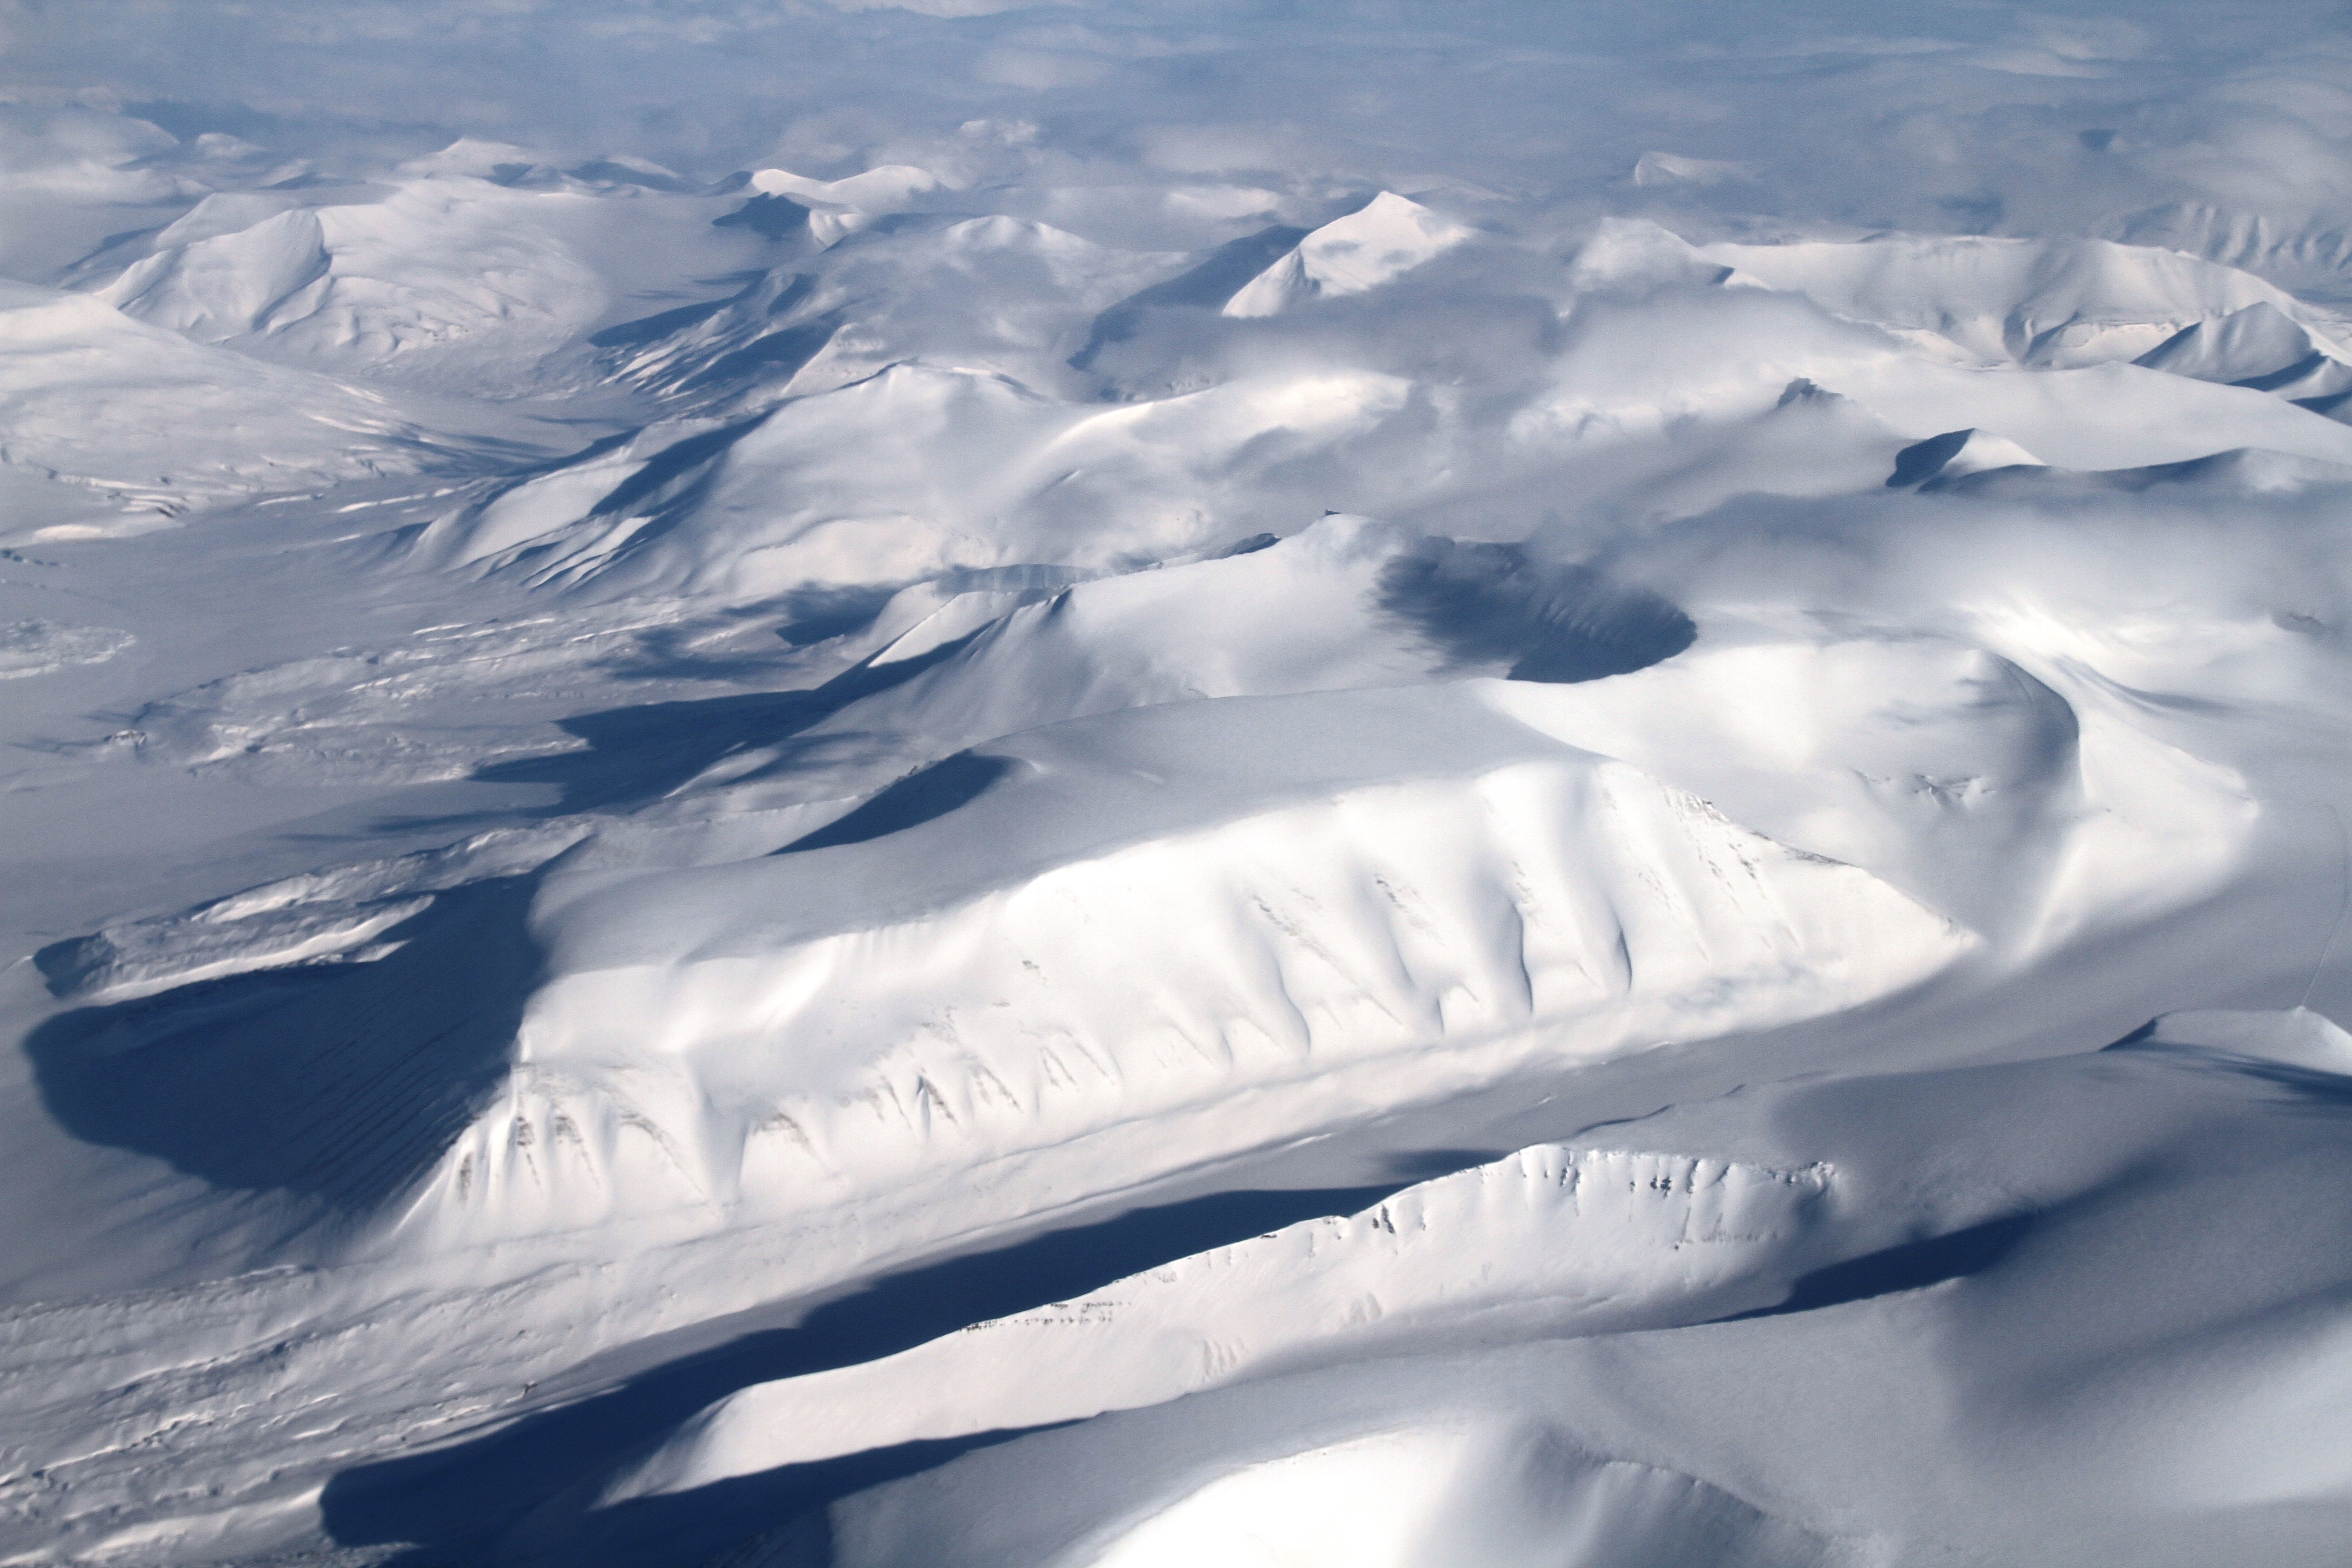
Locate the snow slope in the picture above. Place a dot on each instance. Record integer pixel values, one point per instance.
(94, 400)
(1180, 916)
(1384, 239)
(2062, 304)
(963, 784)
(2040, 1366)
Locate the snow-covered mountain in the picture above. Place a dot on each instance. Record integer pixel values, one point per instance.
(1109, 785)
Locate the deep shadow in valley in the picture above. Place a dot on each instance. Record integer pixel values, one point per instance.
(921, 796)
(463, 1503)
(1908, 1266)
(338, 1082)
(1493, 604)
(341, 1083)
(642, 752)
(1204, 287)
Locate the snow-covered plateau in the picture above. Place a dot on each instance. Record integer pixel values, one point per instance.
(1133, 784)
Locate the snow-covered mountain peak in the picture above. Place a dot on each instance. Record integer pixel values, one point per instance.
(1304, 787)
(889, 187)
(1385, 238)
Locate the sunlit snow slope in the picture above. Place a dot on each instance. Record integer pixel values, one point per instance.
(1118, 786)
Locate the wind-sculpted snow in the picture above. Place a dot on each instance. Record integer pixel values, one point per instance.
(1181, 915)
(443, 276)
(98, 403)
(1638, 388)
(38, 648)
(1348, 256)
(2058, 304)
(1554, 1241)
(333, 283)
(1493, 1491)
(1756, 1425)
(969, 784)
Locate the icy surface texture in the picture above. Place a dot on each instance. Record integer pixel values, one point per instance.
(1102, 784)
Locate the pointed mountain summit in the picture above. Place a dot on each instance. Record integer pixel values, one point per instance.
(2259, 346)
(1385, 239)
(1955, 453)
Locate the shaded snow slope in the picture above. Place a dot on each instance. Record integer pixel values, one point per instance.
(449, 276)
(2065, 303)
(1347, 256)
(1639, 398)
(96, 401)
(959, 784)
(910, 472)
(1552, 1241)
(1182, 915)
(1578, 1445)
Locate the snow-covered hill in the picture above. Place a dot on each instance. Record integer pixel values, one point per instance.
(98, 403)
(969, 783)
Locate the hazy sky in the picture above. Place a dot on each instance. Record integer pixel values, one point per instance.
(1946, 116)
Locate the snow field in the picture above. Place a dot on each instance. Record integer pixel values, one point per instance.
(954, 786)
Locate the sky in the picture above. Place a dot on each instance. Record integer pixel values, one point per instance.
(1951, 116)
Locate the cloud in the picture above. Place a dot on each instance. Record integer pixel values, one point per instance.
(1996, 118)
(945, 8)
